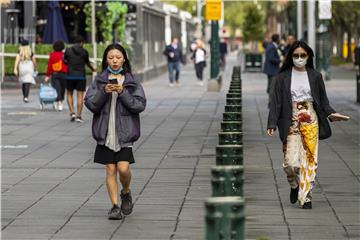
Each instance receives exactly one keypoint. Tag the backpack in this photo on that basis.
(56, 67)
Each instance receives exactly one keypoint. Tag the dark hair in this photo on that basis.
(126, 65)
(288, 63)
(58, 46)
(275, 37)
(79, 39)
(24, 42)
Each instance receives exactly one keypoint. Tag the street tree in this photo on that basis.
(253, 27)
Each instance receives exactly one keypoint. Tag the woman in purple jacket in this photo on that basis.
(116, 98)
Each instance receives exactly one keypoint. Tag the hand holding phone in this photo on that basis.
(113, 81)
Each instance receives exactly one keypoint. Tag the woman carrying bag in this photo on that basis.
(57, 70)
(300, 109)
(116, 98)
(24, 68)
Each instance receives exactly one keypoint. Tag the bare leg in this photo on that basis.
(80, 102)
(125, 175)
(70, 101)
(111, 183)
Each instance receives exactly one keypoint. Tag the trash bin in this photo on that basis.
(253, 62)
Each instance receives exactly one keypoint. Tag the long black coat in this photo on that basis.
(281, 104)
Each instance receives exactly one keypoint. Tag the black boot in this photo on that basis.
(294, 195)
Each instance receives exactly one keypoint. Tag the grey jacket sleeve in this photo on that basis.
(134, 101)
(275, 104)
(95, 98)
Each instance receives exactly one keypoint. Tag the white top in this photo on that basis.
(300, 86)
(199, 55)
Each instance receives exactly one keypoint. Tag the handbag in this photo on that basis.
(324, 127)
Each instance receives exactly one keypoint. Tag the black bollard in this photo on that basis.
(227, 181)
(230, 138)
(231, 126)
(225, 218)
(229, 155)
(232, 116)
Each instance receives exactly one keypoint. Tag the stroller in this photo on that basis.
(47, 95)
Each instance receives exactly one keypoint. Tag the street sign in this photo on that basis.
(325, 9)
(213, 10)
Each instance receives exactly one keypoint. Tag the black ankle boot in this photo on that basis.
(294, 192)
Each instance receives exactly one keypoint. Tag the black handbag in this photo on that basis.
(324, 127)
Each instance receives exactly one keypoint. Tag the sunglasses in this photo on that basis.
(301, 55)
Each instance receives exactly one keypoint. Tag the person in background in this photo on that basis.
(199, 58)
(272, 61)
(290, 39)
(173, 52)
(223, 49)
(57, 70)
(116, 99)
(356, 57)
(299, 108)
(76, 57)
(24, 68)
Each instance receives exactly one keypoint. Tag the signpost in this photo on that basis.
(213, 13)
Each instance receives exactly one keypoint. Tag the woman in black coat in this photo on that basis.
(300, 109)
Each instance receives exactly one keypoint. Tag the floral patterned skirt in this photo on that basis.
(301, 150)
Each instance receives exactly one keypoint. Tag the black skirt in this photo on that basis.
(104, 155)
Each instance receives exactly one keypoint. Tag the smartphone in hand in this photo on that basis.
(113, 81)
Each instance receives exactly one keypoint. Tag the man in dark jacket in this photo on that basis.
(76, 58)
(272, 61)
(173, 52)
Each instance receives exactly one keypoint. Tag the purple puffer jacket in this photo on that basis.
(130, 102)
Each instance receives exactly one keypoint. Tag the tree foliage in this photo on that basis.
(112, 15)
(345, 19)
(253, 26)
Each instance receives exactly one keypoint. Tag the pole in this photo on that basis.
(299, 8)
(93, 31)
(311, 26)
(215, 58)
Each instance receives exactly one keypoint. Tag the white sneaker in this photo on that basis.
(178, 84)
(56, 106)
(60, 106)
(171, 85)
(200, 83)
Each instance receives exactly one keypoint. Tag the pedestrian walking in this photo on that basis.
(173, 52)
(223, 49)
(57, 71)
(290, 39)
(76, 57)
(300, 109)
(272, 61)
(116, 98)
(24, 68)
(199, 58)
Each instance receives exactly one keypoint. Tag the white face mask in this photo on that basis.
(300, 62)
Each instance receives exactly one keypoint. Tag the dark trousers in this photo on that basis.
(199, 68)
(58, 81)
(26, 89)
(270, 86)
(171, 67)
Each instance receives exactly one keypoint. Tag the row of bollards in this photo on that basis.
(224, 216)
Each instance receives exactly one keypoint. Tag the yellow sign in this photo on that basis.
(213, 10)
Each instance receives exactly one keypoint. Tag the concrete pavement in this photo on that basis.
(51, 189)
